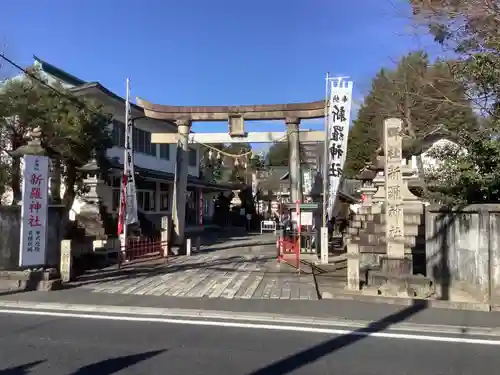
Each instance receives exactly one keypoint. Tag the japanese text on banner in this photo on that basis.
(339, 109)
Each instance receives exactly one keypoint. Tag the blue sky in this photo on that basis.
(199, 52)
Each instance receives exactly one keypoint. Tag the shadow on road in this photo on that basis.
(106, 367)
(303, 358)
(20, 370)
(113, 365)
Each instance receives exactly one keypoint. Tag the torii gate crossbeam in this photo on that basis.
(235, 115)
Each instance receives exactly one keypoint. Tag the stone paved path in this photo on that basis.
(243, 272)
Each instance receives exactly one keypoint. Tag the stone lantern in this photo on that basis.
(368, 189)
(378, 166)
(33, 147)
(93, 215)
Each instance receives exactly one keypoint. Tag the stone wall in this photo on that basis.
(463, 249)
(10, 233)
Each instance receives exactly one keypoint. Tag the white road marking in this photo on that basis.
(277, 327)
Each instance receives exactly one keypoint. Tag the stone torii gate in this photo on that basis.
(184, 116)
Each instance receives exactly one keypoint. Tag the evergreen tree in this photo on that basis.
(425, 96)
(73, 128)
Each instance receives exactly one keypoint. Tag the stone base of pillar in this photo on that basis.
(324, 245)
(92, 223)
(353, 277)
(65, 264)
(396, 266)
(188, 246)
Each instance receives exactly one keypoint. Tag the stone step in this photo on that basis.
(408, 208)
(401, 285)
(409, 229)
(413, 219)
(352, 231)
(375, 228)
(376, 239)
(379, 249)
(409, 218)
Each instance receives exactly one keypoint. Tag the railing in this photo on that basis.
(288, 251)
(141, 249)
(267, 226)
(291, 244)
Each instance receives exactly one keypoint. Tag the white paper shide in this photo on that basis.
(34, 211)
(339, 113)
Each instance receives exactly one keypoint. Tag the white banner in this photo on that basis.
(339, 115)
(307, 182)
(34, 211)
(128, 165)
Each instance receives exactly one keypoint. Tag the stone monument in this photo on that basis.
(395, 260)
(386, 239)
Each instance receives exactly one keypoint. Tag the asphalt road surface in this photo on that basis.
(47, 345)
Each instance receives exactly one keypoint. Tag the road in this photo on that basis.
(54, 345)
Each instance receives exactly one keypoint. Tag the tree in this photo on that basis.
(74, 129)
(365, 134)
(210, 166)
(219, 162)
(471, 29)
(278, 154)
(422, 94)
(467, 174)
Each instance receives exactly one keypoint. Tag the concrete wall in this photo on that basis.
(463, 248)
(10, 233)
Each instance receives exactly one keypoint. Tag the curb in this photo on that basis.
(151, 312)
(451, 305)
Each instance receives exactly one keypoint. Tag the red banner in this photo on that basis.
(123, 205)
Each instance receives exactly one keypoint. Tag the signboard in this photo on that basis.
(34, 211)
(339, 113)
(306, 218)
(307, 182)
(254, 184)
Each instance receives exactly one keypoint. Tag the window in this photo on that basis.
(164, 197)
(146, 195)
(150, 147)
(165, 151)
(114, 182)
(146, 200)
(141, 139)
(193, 157)
(118, 133)
(116, 200)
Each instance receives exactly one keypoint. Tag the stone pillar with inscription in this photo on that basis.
(293, 124)
(34, 206)
(395, 261)
(180, 182)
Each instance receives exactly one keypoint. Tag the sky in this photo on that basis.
(217, 52)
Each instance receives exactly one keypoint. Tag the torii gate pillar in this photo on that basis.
(295, 174)
(180, 185)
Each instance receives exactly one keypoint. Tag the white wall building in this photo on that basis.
(154, 163)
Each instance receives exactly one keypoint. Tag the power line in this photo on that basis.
(42, 82)
(83, 105)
